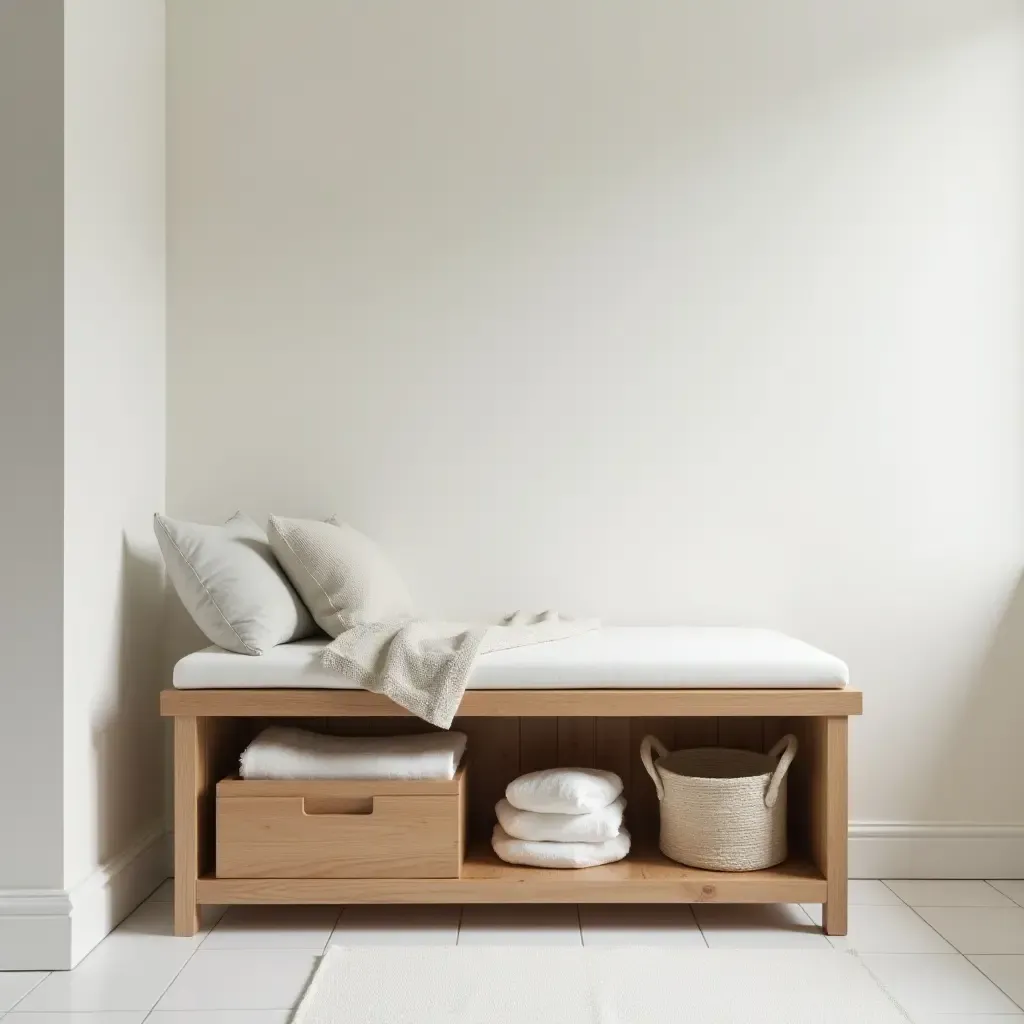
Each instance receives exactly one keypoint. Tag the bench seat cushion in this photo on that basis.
(613, 657)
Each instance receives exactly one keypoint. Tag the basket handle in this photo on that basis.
(645, 755)
(787, 746)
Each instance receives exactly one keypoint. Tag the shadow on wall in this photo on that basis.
(181, 635)
(127, 731)
(988, 723)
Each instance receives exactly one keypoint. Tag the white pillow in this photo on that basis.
(343, 577)
(558, 855)
(230, 583)
(594, 827)
(564, 790)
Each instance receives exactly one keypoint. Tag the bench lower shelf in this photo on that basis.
(516, 731)
(644, 877)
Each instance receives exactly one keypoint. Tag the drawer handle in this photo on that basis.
(338, 806)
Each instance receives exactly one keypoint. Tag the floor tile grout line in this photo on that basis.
(820, 928)
(988, 882)
(696, 921)
(334, 929)
(188, 960)
(216, 925)
(955, 954)
(156, 1003)
(197, 1011)
(803, 910)
(951, 950)
(894, 892)
(1001, 893)
(962, 906)
(149, 898)
(948, 943)
(322, 951)
(11, 1009)
(992, 980)
(82, 961)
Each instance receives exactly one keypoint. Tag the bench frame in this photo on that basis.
(212, 726)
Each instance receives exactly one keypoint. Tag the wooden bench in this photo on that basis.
(513, 731)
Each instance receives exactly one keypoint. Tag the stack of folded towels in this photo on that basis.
(562, 818)
(283, 752)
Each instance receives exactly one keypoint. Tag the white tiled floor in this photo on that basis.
(624, 925)
(951, 952)
(778, 925)
(516, 925)
(886, 930)
(398, 925)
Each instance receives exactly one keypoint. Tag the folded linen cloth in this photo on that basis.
(558, 855)
(564, 790)
(423, 665)
(595, 827)
(283, 752)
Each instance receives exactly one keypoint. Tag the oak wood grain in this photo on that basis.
(519, 703)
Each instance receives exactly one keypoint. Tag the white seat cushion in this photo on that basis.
(614, 657)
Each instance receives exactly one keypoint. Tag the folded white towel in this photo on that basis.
(595, 827)
(558, 855)
(283, 752)
(564, 790)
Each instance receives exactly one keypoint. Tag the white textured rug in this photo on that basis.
(637, 985)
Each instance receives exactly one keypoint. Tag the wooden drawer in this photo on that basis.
(341, 829)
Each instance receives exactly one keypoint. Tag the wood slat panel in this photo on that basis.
(741, 733)
(576, 742)
(773, 729)
(613, 749)
(642, 814)
(799, 783)
(538, 744)
(376, 726)
(695, 732)
(493, 752)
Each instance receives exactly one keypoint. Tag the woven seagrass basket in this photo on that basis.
(721, 809)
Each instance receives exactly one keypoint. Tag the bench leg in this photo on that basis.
(835, 822)
(189, 778)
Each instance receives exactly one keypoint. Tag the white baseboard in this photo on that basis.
(54, 929)
(922, 850)
(104, 899)
(35, 930)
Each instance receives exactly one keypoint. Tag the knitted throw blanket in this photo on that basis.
(424, 665)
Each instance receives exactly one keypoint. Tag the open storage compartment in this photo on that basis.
(511, 732)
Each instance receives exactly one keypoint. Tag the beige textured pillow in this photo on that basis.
(340, 573)
(230, 583)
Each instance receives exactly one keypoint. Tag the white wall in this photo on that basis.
(663, 312)
(114, 432)
(82, 455)
(31, 446)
